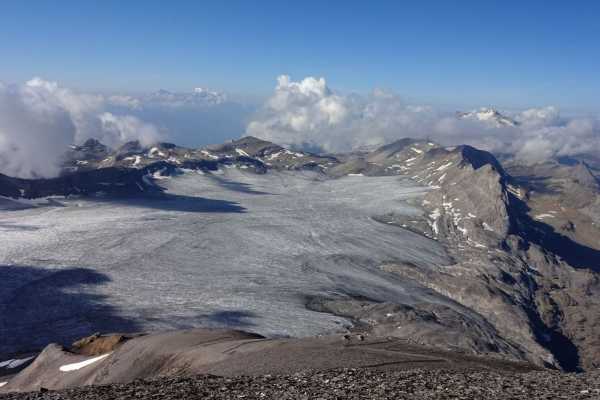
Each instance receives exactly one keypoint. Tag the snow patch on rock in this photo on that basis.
(82, 364)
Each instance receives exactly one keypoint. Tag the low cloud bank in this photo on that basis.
(40, 119)
(309, 114)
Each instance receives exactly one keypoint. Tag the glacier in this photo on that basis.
(232, 249)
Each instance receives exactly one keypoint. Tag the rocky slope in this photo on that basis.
(537, 287)
(565, 196)
(120, 359)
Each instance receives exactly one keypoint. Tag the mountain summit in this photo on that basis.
(489, 116)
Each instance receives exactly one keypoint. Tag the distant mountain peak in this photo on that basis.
(488, 115)
(199, 96)
(205, 91)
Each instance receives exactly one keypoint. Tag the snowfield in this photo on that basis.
(233, 249)
(82, 364)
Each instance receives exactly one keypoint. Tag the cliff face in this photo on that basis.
(538, 288)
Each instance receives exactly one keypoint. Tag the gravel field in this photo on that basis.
(347, 384)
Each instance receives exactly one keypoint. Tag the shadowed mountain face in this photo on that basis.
(440, 245)
(564, 197)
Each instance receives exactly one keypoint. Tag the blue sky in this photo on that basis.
(468, 53)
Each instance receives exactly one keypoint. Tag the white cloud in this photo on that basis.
(572, 137)
(34, 132)
(39, 119)
(537, 117)
(125, 128)
(308, 113)
(299, 112)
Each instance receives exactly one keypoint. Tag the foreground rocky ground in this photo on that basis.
(348, 384)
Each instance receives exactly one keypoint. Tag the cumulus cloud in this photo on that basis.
(126, 128)
(300, 112)
(33, 132)
(308, 113)
(311, 115)
(566, 138)
(538, 117)
(39, 119)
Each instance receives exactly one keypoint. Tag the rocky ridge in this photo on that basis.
(131, 170)
(245, 153)
(232, 353)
